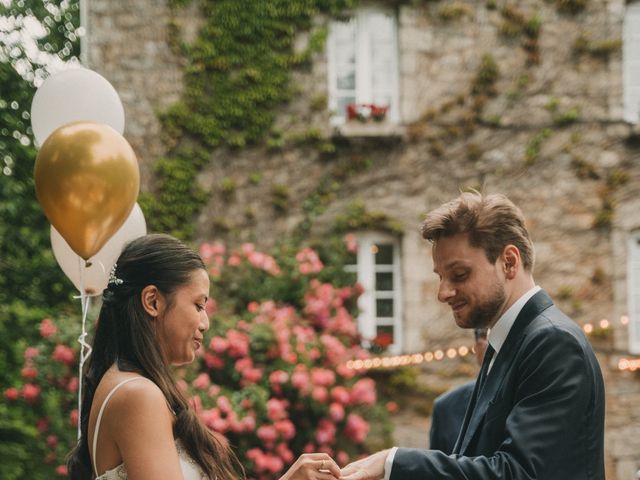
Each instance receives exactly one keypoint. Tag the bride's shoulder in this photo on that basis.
(132, 395)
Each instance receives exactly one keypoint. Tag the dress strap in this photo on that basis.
(102, 407)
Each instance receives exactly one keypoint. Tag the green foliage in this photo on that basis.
(599, 276)
(31, 283)
(532, 26)
(571, 6)
(474, 152)
(523, 80)
(319, 102)
(565, 292)
(553, 104)
(280, 197)
(513, 21)
(237, 74)
(491, 4)
(454, 11)
(603, 219)
(601, 49)
(60, 21)
(255, 178)
(27, 267)
(584, 169)
(486, 76)
(39, 412)
(616, 178)
(311, 136)
(228, 188)
(532, 151)
(356, 216)
(566, 117)
(406, 380)
(515, 24)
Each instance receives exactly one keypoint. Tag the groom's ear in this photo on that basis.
(511, 262)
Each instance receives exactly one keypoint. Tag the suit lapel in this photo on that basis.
(503, 359)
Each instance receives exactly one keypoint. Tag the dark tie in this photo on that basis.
(486, 362)
(482, 377)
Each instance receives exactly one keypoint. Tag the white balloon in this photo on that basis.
(74, 95)
(94, 278)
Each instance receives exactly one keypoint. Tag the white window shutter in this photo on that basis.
(382, 284)
(633, 284)
(363, 62)
(631, 62)
(383, 60)
(341, 50)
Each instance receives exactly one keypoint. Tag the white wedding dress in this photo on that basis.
(189, 467)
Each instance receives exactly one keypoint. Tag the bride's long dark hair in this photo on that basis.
(124, 336)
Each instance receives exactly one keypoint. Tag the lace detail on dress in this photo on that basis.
(184, 455)
(190, 468)
(118, 473)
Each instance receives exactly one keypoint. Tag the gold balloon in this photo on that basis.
(87, 181)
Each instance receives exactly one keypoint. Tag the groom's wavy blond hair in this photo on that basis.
(491, 221)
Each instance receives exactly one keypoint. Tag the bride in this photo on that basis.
(135, 422)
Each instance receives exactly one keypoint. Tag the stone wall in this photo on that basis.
(563, 172)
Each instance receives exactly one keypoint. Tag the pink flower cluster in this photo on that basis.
(299, 368)
(351, 243)
(326, 308)
(213, 254)
(308, 261)
(49, 385)
(47, 328)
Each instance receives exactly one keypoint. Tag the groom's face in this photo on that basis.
(472, 286)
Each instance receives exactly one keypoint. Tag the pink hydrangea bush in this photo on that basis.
(47, 392)
(271, 377)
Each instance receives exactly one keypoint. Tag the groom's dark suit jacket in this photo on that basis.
(539, 415)
(447, 417)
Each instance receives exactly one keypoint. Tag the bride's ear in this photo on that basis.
(151, 300)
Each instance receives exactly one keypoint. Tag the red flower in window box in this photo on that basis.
(366, 111)
(383, 340)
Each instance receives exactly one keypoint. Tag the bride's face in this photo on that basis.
(183, 320)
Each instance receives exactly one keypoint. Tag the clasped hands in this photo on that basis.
(319, 466)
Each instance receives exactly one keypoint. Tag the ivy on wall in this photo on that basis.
(236, 75)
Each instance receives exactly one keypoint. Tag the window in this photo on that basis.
(363, 64)
(377, 265)
(631, 62)
(633, 285)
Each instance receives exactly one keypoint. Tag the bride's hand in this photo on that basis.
(313, 466)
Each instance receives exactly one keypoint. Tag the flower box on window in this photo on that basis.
(365, 112)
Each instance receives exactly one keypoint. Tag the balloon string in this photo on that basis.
(85, 348)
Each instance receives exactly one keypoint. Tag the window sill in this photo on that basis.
(356, 129)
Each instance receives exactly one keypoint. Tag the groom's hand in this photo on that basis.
(369, 468)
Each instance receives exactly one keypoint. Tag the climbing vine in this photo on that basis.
(237, 72)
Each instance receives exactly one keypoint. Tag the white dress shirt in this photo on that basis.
(496, 338)
(497, 335)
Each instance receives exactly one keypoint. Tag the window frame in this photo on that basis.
(633, 290)
(631, 63)
(366, 270)
(363, 70)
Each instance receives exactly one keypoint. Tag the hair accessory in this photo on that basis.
(112, 276)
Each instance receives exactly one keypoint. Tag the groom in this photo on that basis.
(537, 410)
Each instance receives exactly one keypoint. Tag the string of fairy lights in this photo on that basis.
(394, 361)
